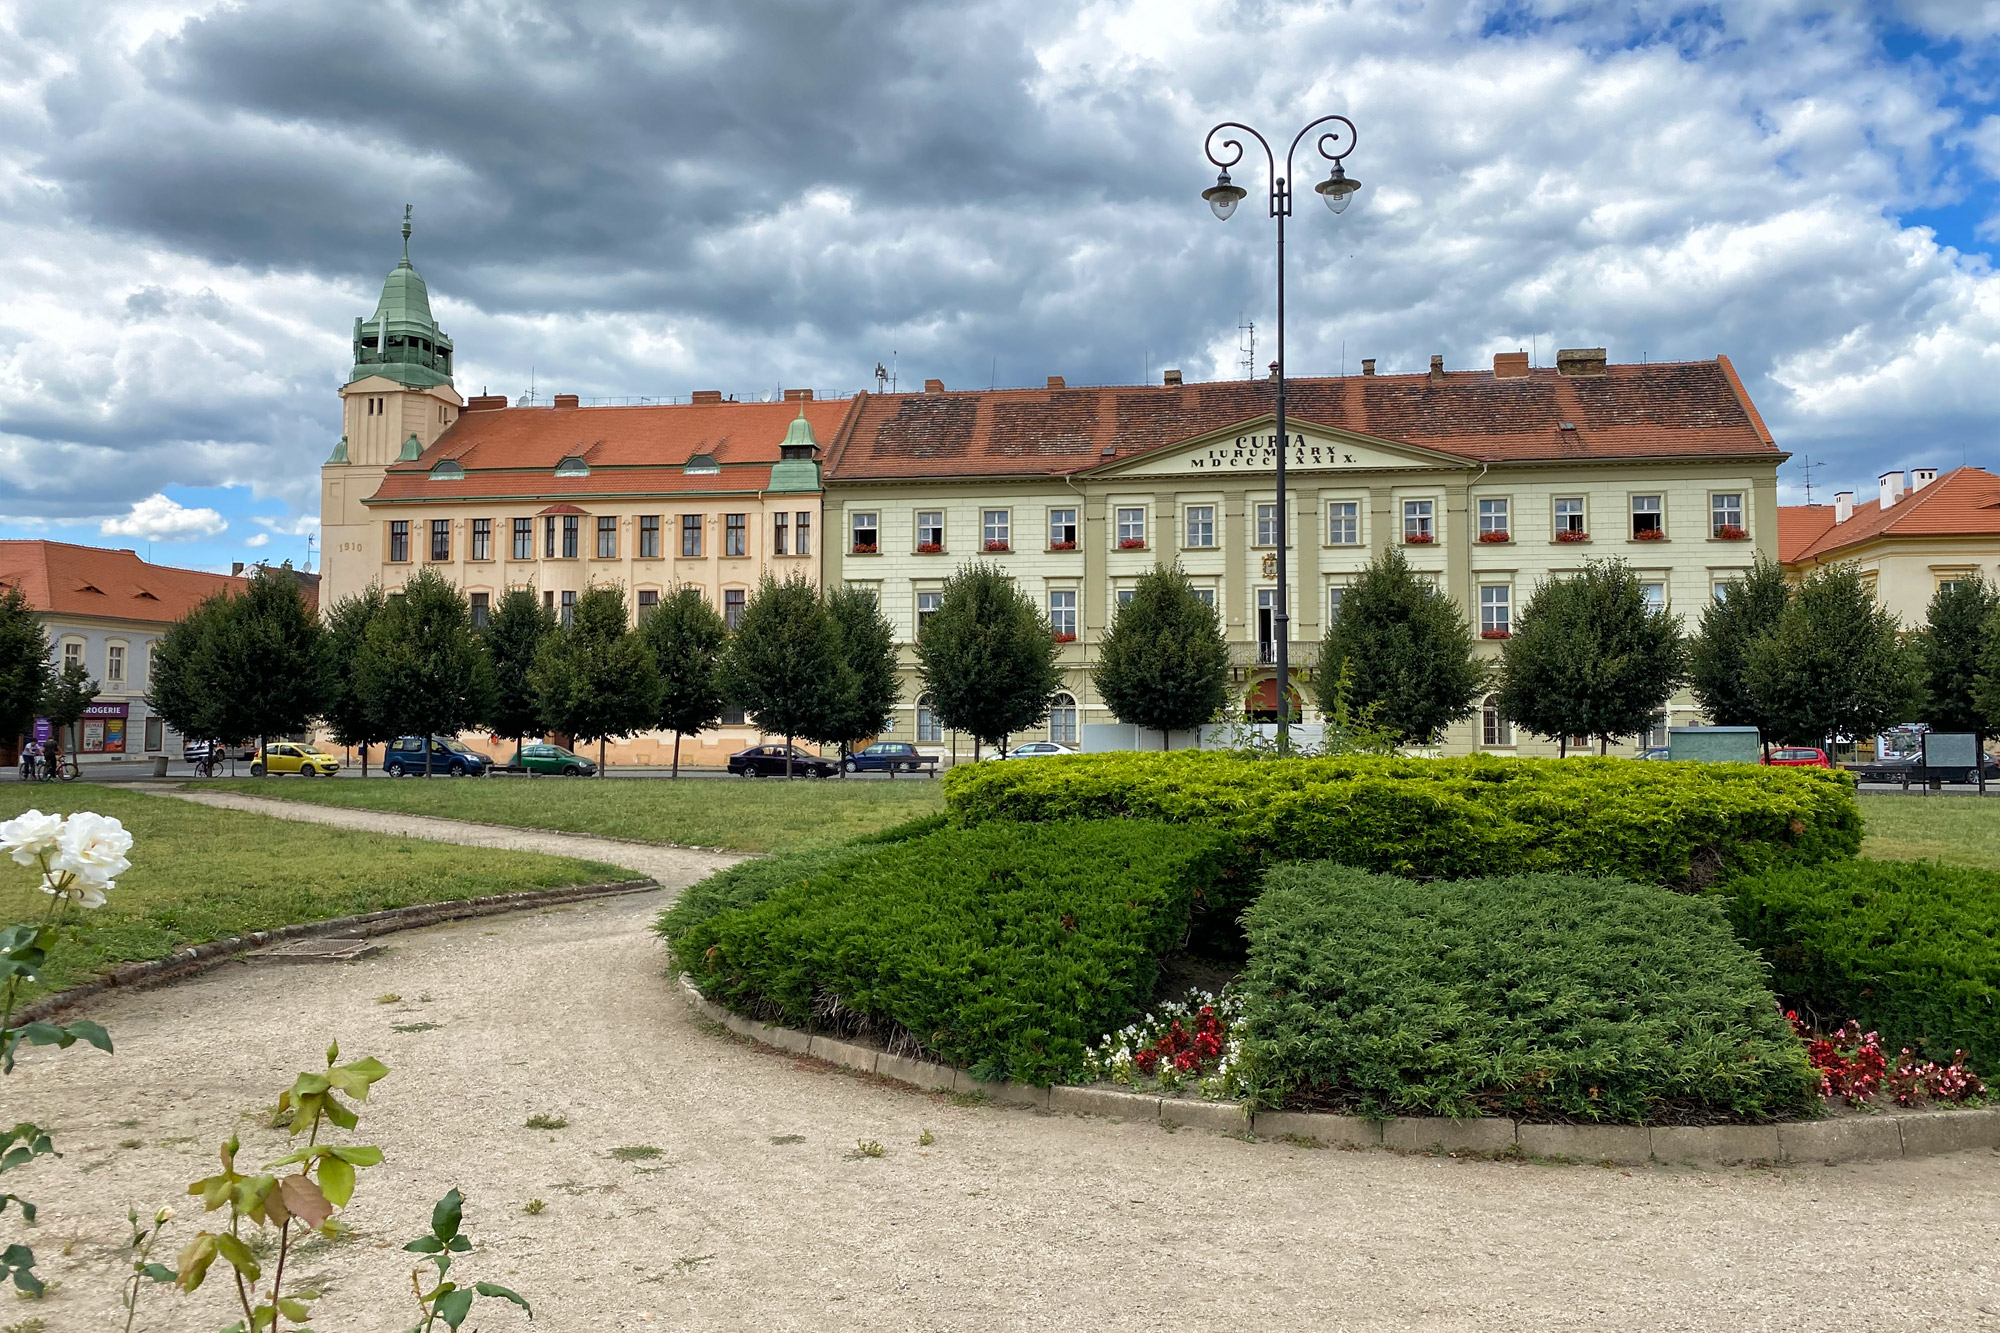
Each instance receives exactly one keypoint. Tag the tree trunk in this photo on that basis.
(264, 753)
(429, 742)
(677, 754)
(1562, 747)
(1166, 739)
(1603, 745)
(600, 756)
(364, 759)
(788, 754)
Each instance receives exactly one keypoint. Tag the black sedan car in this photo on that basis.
(768, 761)
(1907, 768)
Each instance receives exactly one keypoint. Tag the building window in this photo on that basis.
(482, 539)
(1655, 596)
(548, 600)
(549, 538)
(1343, 523)
(1417, 521)
(1267, 624)
(1062, 529)
(802, 528)
(440, 539)
(1725, 516)
(1206, 596)
(1496, 732)
(1122, 597)
(927, 606)
(482, 609)
(867, 533)
(1131, 529)
(72, 653)
(732, 608)
(1720, 588)
(568, 609)
(1648, 516)
(152, 661)
(928, 730)
(114, 666)
(1496, 611)
(997, 527)
(399, 541)
(570, 526)
(649, 536)
(780, 532)
(1267, 525)
(1062, 615)
(930, 531)
(735, 534)
(1493, 520)
(648, 599)
(1200, 526)
(1657, 736)
(524, 539)
(732, 716)
(1569, 517)
(691, 536)
(156, 733)
(1333, 599)
(607, 537)
(1062, 719)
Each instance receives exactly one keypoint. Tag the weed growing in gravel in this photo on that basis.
(390, 998)
(967, 1098)
(926, 1139)
(415, 1027)
(131, 1143)
(126, 1124)
(865, 1148)
(784, 1139)
(541, 1120)
(34, 1325)
(688, 1263)
(638, 1154)
(533, 1206)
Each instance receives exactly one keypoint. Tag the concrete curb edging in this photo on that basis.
(201, 957)
(1889, 1136)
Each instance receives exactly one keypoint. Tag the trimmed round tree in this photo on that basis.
(182, 683)
(686, 637)
(421, 670)
(784, 664)
(513, 635)
(347, 711)
(1748, 609)
(24, 664)
(1404, 650)
(595, 677)
(1835, 665)
(865, 704)
(1954, 640)
(987, 657)
(1163, 664)
(269, 659)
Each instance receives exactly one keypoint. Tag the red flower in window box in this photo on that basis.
(1417, 539)
(1496, 634)
(929, 548)
(1498, 535)
(996, 546)
(1065, 638)
(1729, 532)
(864, 548)
(1569, 536)
(1131, 543)
(1650, 535)
(1062, 546)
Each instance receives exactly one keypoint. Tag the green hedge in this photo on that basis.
(1907, 948)
(1537, 995)
(1683, 825)
(1005, 949)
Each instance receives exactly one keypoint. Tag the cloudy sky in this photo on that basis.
(645, 199)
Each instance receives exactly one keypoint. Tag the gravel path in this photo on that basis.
(753, 1215)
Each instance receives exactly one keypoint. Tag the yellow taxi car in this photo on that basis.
(287, 757)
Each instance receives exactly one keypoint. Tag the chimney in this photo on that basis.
(1368, 365)
(933, 386)
(486, 402)
(1892, 488)
(798, 395)
(701, 396)
(1921, 477)
(1274, 370)
(235, 568)
(566, 400)
(1580, 361)
(1843, 506)
(1437, 369)
(1056, 382)
(1172, 379)
(1510, 365)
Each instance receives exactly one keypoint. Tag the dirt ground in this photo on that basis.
(755, 1212)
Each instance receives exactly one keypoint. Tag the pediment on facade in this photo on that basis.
(1251, 447)
(383, 384)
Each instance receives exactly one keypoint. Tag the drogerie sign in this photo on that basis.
(1256, 452)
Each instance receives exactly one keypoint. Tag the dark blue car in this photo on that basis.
(449, 758)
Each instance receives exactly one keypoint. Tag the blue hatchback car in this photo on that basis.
(449, 758)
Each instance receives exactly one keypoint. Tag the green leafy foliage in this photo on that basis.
(421, 670)
(68, 692)
(1909, 949)
(686, 636)
(1953, 640)
(1004, 948)
(870, 687)
(1538, 995)
(987, 656)
(783, 663)
(1681, 825)
(1163, 664)
(24, 663)
(448, 1302)
(1747, 609)
(186, 684)
(1405, 649)
(512, 636)
(596, 678)
(1834, 665)
(350, 711)
(1588, 658)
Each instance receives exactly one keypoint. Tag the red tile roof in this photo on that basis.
(513, 451)
(1964, 502)
(1684, 409)
(67, 580)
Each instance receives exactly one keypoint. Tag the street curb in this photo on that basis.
(201, 957)
(1891, 1136)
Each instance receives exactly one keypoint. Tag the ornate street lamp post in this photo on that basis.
(1223, 197)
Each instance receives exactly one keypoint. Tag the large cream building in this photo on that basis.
(1490, 480)
(1908, 540)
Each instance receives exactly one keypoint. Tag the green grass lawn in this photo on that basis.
(1958, 830)
(736, 813)
(200, 874)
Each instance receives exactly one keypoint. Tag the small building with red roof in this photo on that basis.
(1915, 534)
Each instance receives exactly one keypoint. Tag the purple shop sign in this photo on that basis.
(107, 710)
(43, 731)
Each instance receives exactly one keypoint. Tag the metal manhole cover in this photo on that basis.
(316, 951)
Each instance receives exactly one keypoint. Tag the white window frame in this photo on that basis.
(935, 599)
(1266, 530)
(1130, 521)
(1420, 519)
(1496, 608)
(1062, 519)
(929, 731)
(1200, 527)
(1496, 732)
(1572, 507)
(996, 529)
(869, 521)
(1717, 509)
(1658, 509)
(930, 528)
(1343, 516)
(1647, 587)
(1062, 612)
(1063, 713)
(116, 651)
(1495, 515)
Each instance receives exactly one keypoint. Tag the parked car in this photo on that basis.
(449, 758)
(1798, 756)
(1655, 752)
(542, 757)
(288, 757)
(1910, 768)
(766, 761)
(888, 757)
(1037, 750)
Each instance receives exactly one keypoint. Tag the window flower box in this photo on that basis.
(1065, 638)
(930, 548)
(1570, 537)
(997, 546)
(1729, 532)
(864, 548)
(1062, 546)
(1132, 543)
(1418, 539)
(1496, 634)
(1650, 535)
(1495, 537)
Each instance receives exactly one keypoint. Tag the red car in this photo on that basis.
(1797, 756)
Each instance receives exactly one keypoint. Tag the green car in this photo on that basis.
(541, 757)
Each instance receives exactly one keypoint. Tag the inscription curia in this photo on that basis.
(1261, 451)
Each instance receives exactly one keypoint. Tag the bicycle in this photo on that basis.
(207, 768)
(63, 770)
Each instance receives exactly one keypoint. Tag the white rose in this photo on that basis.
(92, 848)
(29, 835)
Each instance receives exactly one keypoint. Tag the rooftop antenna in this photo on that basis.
(1246, 343)
(993, 374)
(310, 543)
(1807, 466)
(881, 378)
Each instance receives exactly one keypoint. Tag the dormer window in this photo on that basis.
(702, 465)
(573, 466)
(447, 469)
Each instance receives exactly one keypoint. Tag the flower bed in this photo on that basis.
(1194, 1042)
(863, 548)
(1853, 1069)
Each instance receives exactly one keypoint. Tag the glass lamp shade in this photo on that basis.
(1337, 189)
(1223, 197)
